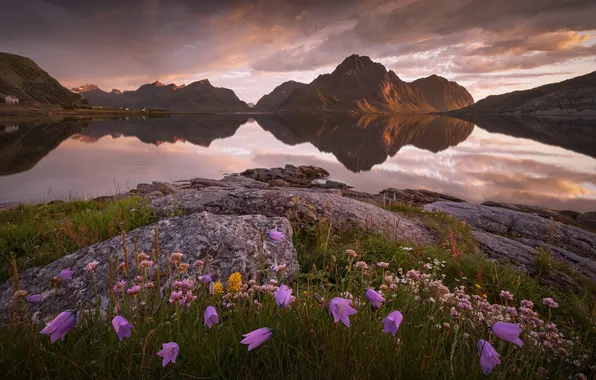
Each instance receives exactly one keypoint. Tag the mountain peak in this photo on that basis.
(157, 84)
(84, 88)
(357, 63)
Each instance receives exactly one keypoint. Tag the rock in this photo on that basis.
(507, 234)
(570, 213)
(301, 206)
(163, 187)
(199, 183)
(155, 194)
(301, 176)
(587, 219)
(335, 185)
(278, 183)
(232, 243)
(416, 197)
(536, 210)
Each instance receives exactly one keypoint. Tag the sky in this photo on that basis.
(251, 46)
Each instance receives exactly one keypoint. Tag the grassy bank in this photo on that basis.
(37, 235)
(448, 294)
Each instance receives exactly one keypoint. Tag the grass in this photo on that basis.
(37, 235)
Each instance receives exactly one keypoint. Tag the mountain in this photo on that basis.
(361, 142)
(84, 88)
(250, 105)
(200, 97)
(21, 77)
(442, 94)
(280, 94)
(573, 96)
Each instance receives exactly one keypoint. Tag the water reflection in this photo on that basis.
(92, 158)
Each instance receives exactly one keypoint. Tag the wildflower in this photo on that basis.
(478, 286)
(581, 376)
(507, 296)
(33, 298)
(489, 358)
(149, 285)
(138, 279)
(341, 310)
(134, 290)
(210, 317)
(392, 321)
(19, 294)
(255, 338)
(351, 253)
(551, 303)
(122, 266)
(234, 282)
(218, 288)
(65, 274)
(508, 331)
(413, 274)
(383, 265)
(527, 304)
(393, 286)
(122, 327)
(276, 235)
(280, 268)
(91, 266)
(206, 278)
(146, 264)
(183, 267)
(143, 256)
(169, 352)
(374, 298)
(199, 263)
(409, 249)
(59, 326)
(56, 280)
(361, 265)
(119, 287)
(176, 257)
(283, 296)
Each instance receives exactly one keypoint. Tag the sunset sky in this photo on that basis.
(251, 46)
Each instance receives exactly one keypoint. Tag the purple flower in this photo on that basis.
(489, 358)
(276, 235)
(551, 303)
(211, 317)
(60, 326)
(283, 296)
(374, 298)
(65, 274)
(122, 327)
(255, 338)
(206, 278)
(508, 331)
(392, 321)
(341, 310)
(169, 352)
(134, 290)
(33, 298)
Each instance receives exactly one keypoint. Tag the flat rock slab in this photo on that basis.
(512, 235)
(233, 243)
(304, 206)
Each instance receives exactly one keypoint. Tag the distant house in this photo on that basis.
(11, 128)
(11, 99)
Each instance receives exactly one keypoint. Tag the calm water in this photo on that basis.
(504, 159)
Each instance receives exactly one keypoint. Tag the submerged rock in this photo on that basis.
(233, 243)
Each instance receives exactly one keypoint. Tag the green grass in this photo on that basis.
(37, 235)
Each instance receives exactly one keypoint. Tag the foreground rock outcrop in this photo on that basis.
(233, 243)
(516, 236)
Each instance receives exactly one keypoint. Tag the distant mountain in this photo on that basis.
(199, 97)
(574, 96)
(21, 77)
(250, 105)
(84, 88)
(361, 142)
(280, 94)
(442, 94)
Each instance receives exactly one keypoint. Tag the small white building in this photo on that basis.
(11, 99)
(11, 128)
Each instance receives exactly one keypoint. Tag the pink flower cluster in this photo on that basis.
(183, 293)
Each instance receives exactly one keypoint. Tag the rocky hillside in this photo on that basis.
(271, 101)
(84, 88)
(21, 77)
(573, 96)
(442, 94)
(198, 96)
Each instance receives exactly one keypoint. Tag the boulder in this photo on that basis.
(587, 219)
(199, 183)
(301, 176)
(300, 206)
(542, 212)
(233, 243)
(507, 234)
(278, 183)
(416, 197)
(163, 187)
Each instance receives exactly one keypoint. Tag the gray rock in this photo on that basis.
(163, 187)
(507, 234)
(232, 243)
(335, 185)
(303, 206)
(542, 212)
(199, 183)
(587, 219)
(301, 176)
(278, 183)
(155, 194)
(416, 197)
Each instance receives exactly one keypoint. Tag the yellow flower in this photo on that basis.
(235, 282)
(478, 286)
(218, 288)
(484, 296)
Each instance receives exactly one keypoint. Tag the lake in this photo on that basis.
(540, 161)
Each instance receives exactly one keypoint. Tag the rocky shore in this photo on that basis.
(228, 220)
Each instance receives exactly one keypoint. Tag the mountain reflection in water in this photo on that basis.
(445, 154)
